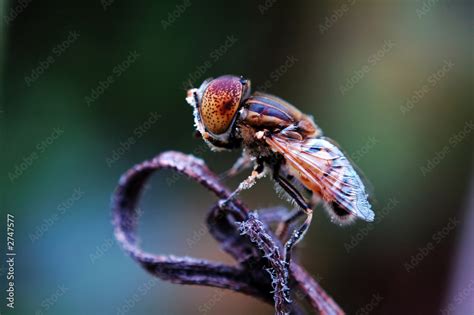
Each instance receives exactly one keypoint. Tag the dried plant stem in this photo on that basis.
(260, 272)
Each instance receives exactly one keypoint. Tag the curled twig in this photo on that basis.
(250, 243)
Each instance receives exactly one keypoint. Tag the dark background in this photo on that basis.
(405, 120)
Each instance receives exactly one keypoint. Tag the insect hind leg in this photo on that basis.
(283, 226)
(298, 233)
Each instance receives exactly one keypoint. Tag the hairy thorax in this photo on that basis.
(252, 144)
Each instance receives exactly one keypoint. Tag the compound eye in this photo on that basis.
(220, 103)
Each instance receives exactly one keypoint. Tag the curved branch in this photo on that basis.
(240, 233)
(174, 269)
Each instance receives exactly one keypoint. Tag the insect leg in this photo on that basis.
(283, 226)
(274, 214)
(298, 233)
(242, 163)
(257, 173)
(294, 194)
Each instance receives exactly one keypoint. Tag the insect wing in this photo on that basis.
(324, 169)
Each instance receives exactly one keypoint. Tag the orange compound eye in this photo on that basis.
(220, 103)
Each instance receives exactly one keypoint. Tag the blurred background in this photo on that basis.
(90, 88)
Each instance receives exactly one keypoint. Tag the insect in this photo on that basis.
(281, 141)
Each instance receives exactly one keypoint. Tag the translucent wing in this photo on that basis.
(322, 168)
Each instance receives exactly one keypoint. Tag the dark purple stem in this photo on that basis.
(260, 272)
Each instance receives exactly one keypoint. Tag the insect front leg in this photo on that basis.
(298, 233)
(257, 173)
(242, 163)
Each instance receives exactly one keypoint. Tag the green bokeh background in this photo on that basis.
(390, 144)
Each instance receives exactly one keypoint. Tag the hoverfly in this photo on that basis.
(279, 140)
